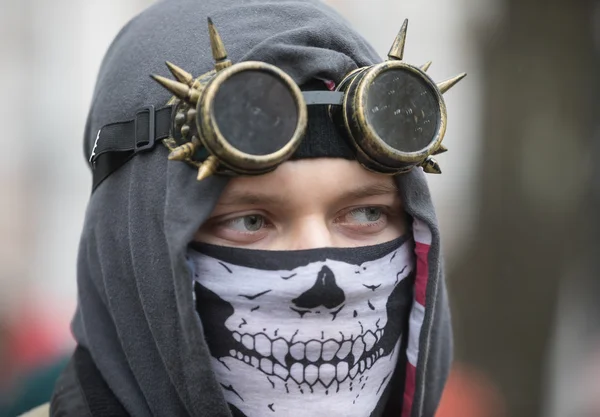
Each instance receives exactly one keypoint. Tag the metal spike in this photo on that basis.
(440, 149)
(426, 66)
(218, 47)
(185, 129)
(448, 84)
(431, 166)
(397, 49)
(183, 152)
(177, 88)
(180, 90)
(181, 75)
(179, 118)
(208, 168)
(191, 115)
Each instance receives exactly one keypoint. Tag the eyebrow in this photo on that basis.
(251, 198)
(370, 190)
(243, 198)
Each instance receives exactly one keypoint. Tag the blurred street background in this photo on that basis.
(518, 200)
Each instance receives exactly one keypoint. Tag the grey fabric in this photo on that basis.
(135, 312)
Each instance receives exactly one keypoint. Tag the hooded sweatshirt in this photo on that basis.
(141, 348)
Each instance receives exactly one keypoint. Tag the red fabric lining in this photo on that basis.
(330, 85)
(422, 253)
(409, 390)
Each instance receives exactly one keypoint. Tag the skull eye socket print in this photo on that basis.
(328, 331)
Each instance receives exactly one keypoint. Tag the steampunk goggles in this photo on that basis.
(249, 117)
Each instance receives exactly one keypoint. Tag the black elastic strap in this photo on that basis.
(117, 142)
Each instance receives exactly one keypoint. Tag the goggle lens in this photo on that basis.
(403, 110)
(256, 112)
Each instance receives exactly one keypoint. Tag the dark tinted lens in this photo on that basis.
(256, 112)
(403, 110)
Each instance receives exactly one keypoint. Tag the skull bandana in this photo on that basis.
(314, 332)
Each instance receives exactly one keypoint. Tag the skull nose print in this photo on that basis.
(324, 292)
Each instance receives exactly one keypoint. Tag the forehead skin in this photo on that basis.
(308, 183)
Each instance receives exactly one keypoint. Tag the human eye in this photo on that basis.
(370, 219)
(246, 224)
(366, 214)
(239, 230)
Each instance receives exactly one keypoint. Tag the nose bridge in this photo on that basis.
(310, 232)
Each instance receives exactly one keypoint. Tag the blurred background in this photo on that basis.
(517, 202)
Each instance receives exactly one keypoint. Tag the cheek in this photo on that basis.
(203, 236)
(344, 241)
(397, 226)
(316, 232)
(393, 229)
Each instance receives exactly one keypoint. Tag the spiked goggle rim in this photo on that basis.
(217, 144)
(370, 147)
(382, 157)
(365, 137)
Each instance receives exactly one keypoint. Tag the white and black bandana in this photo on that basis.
(315, 332)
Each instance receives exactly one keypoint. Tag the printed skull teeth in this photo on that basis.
(358, 347)
(310, 374)
(310, 362)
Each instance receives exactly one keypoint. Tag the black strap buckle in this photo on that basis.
(149, 143)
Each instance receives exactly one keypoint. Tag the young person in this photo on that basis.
(285, 258)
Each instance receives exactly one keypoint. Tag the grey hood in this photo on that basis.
(135, 314)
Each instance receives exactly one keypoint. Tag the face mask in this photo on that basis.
(312, 332)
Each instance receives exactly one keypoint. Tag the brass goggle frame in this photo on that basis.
(197, 138)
